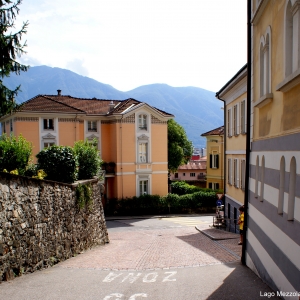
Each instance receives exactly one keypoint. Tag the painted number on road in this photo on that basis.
(116, 296)
(132, 277)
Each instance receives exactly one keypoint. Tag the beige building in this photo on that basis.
(215, 158)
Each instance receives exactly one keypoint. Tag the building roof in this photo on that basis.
(68, 104)
(193, 165)
(217, 131)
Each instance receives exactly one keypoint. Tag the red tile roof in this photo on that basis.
(68, 104)
(217, 131)
(197, 165)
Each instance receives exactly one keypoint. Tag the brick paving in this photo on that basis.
(157, 249)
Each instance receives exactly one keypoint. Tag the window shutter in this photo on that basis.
(238, 173)
(237, 119)
(210, 160)
(210, 185)
(217, 161)
(217, 186)
(230, 121)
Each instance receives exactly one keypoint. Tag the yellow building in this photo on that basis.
(273, 201)
(234, 96)
(215, 158)
(130, 134)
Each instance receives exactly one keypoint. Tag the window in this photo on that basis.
(11, 125)
(47, 144)
(214, 161)
(235, 120)
(183, 174)
(176, 175)
(265, 66)
(213, 185)
(192, 174)
(49, 124)
(229, 123)
(243, 173)
(143, 152)
(3, 128)
(143, 122)
(243, 116)
(236, 172)
(229, 170)
(143, 187)
(92, 126)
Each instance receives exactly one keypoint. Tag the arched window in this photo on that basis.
(265, 63)
(292, 189)
(256, 176)
(262, 179)
(281, 186)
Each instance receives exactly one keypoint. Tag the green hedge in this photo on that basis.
(154, 204)
(183, 188)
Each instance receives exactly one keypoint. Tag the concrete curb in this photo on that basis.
(216, 238)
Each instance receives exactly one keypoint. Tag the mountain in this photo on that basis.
(196, 109)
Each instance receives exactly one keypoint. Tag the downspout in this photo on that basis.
(248, 136)
(224, 147)
(121, 140)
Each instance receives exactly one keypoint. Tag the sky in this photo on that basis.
(129, 43)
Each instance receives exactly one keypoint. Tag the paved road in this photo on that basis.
(161, 258)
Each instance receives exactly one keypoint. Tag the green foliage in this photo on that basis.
(182, 188)
(180, 149)
(31, 170)
(89, 161)
(14, 153)
(59, 163)
(10, 48)
(84, 195)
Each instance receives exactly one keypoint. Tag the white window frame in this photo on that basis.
(48, 124)
(92, 126)
(143, 187)
(236, 172)
(141, 180)
(143, 155)
(143, 122)
(47, 144)
(214, 157)
(192, 174)
(265, 63)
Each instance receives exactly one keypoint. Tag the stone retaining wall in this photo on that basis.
(41, 223)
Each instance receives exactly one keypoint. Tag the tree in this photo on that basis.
(180, 149)
(10, 48)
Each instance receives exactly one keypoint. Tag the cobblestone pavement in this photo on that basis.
(157, 249)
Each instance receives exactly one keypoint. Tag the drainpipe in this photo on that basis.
(121, 147)
(248, 138)
(224, 145)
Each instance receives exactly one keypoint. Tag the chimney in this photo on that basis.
(111, 106)
(58, 92)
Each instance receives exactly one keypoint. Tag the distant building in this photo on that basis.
(215, 158)
(131, 136)
(194, 172)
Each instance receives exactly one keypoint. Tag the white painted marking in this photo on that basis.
(153, 275)
(133, 297)
(111, 276)
(131, 277)
(115, 295)
(168, 277)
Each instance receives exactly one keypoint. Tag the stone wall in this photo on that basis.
(41, 223)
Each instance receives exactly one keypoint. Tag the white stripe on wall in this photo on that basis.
(236, 152)
(283, 242)
(271, 196)
(272, 159)
(271, 268)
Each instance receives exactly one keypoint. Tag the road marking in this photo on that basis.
(186, 221)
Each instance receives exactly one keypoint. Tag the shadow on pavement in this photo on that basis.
(242, 284)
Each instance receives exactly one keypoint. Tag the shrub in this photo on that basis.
(14, 153)
(182, 188)
(31, 170)
(89, 161)
(59, 163)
